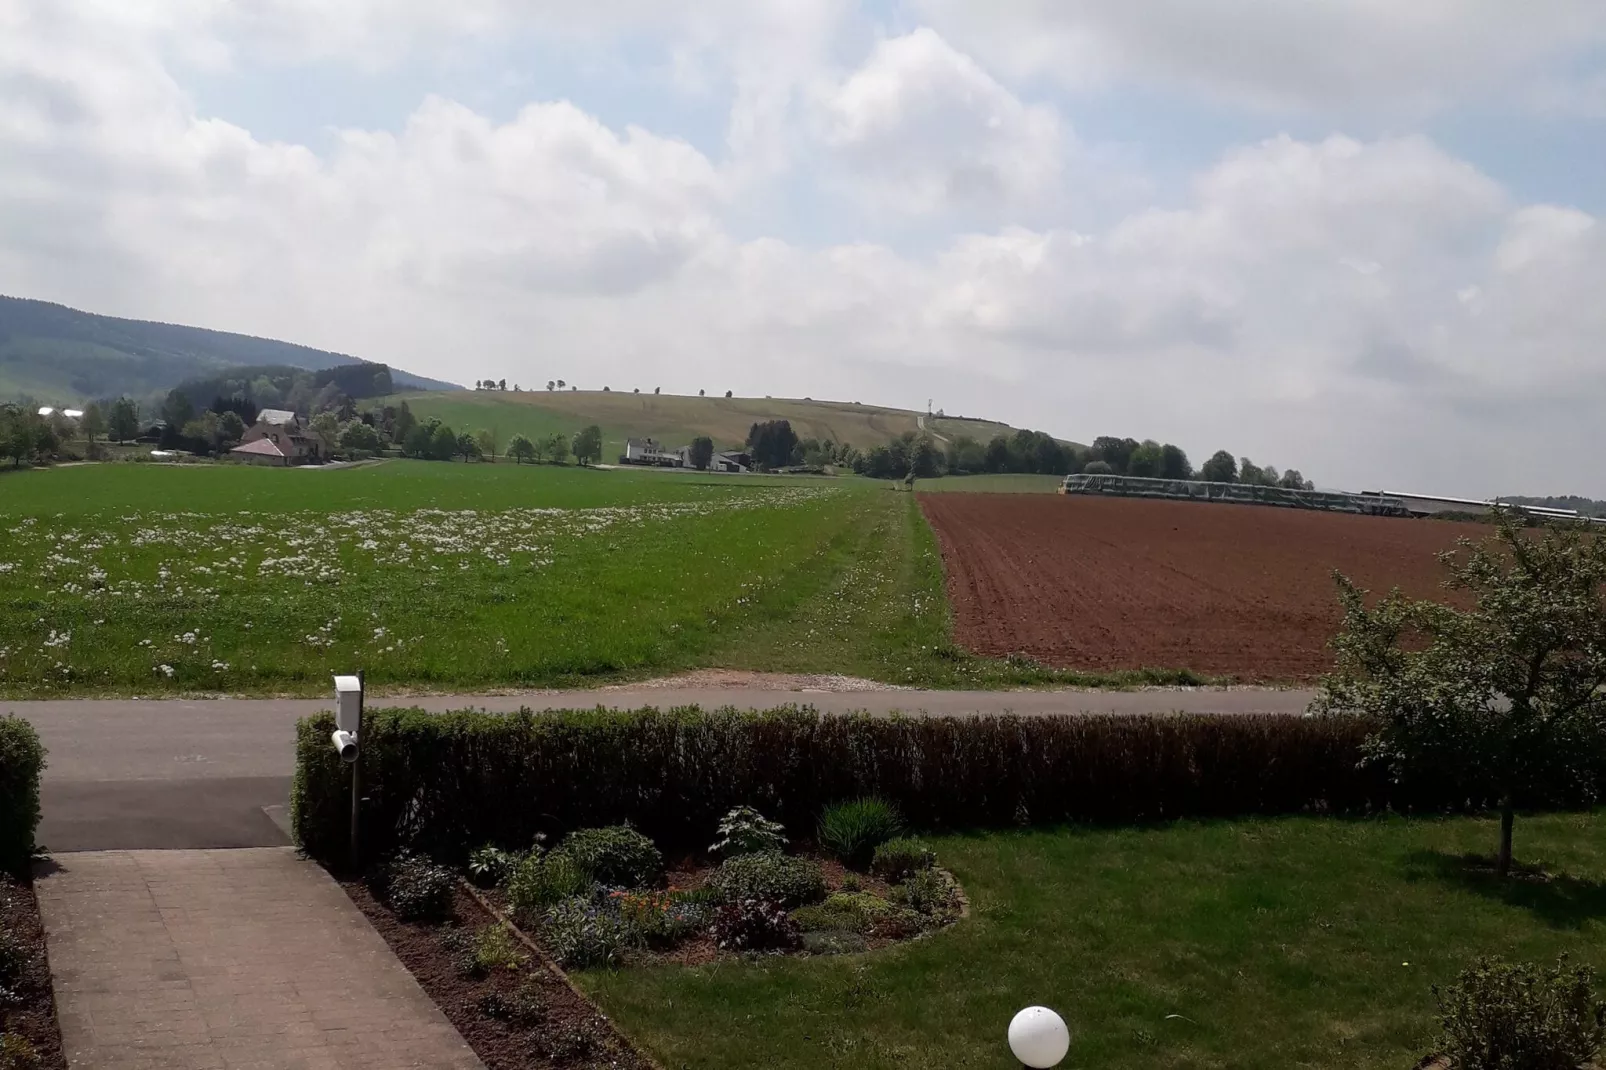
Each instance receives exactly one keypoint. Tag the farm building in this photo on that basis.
(1241, 493)
(651, 452)
(278, 437)
(1434, 504)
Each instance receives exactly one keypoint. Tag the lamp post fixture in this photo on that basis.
(1039, 1038)
(347, 740)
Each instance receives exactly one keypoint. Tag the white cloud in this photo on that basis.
(1371, 312)
(921, 128)
(1271, 53)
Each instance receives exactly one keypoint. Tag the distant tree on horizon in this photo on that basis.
(587, 445)
(487, 439)
(124, 422)
(1174, 463)
(1220, 468)
(92, 423)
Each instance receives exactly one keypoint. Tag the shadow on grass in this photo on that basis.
(1559, 900)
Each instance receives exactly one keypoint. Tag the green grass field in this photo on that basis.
(148, 579)
(675, 420)
(1260, 945)
(396, 484)
(1001, 483)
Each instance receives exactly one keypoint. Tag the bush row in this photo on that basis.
(444, 783)
(22, 761)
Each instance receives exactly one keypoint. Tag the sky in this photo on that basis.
(1361, 238)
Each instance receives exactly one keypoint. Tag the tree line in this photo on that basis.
(920, 455)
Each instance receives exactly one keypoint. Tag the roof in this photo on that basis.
(276, 416)
(260, 448)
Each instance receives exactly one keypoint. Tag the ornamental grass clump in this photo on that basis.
(851, 831)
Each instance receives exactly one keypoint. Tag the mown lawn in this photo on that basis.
(1267, 944)
(143, 579)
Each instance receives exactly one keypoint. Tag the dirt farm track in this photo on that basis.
(1119, 583)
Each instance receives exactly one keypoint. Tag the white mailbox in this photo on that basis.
(348, 705)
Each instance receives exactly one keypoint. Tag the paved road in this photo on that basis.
(169, 773)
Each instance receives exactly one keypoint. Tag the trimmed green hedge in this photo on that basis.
(22, 761)
(446, 783)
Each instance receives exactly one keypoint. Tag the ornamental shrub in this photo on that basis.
(896, 859)
(927, 891)
(770, 877)
(662, 919)
(581, 935)
(851, 831)
(618, 856)
(1520, 1016)
(418, 889)
(525, 1006)
(490, 865)
(755, 925)
(540, 881)
(22, 760)
(745, 831)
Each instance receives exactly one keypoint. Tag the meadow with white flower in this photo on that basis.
(248, 581)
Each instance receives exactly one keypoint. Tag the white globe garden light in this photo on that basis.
(1039, 1038)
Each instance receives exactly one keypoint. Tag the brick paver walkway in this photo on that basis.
(217, 960)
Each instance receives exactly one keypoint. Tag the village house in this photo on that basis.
(278, 437)
(650, 451)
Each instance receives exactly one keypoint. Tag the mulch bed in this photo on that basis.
(568, 1033)
(33, 1014)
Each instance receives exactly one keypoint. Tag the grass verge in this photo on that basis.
(1268, 944)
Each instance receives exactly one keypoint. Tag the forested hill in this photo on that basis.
(60, 355)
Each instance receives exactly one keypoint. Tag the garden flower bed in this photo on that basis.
(511, 1008)
(29, 1035)
(603, 898)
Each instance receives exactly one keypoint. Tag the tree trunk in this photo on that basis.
(1508, 816)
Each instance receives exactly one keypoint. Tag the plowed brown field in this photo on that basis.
(1119, 583)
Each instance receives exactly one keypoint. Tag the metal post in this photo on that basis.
(356, 782)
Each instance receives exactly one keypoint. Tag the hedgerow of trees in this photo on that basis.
(1038, 452)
